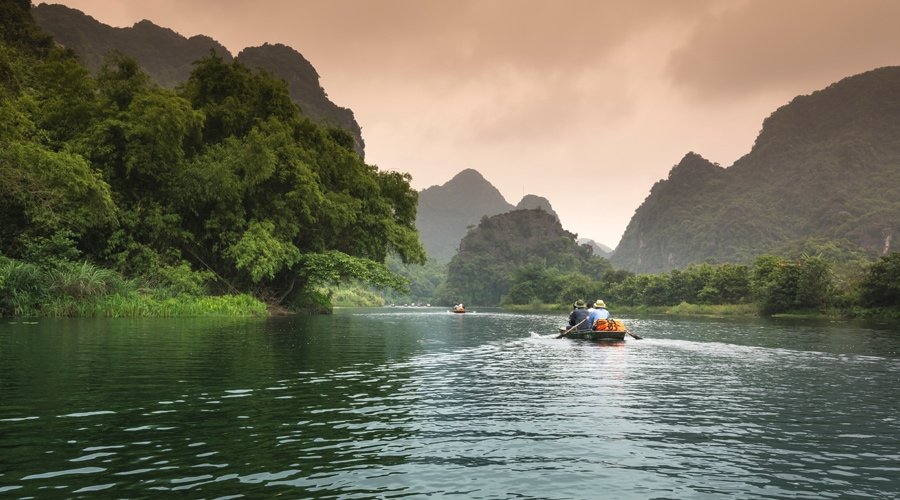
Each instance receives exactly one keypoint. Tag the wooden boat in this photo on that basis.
(594, 335)
(460, 311)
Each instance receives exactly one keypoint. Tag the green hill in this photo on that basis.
(826, 166)
(515, 250)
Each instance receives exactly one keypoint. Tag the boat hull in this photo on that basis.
(592, 335)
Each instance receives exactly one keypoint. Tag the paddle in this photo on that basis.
(638, 337)
(563, 334)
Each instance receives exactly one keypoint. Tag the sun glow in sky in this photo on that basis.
(585, 102)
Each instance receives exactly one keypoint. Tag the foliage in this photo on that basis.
(222, 186)
(83, 289)
(782, 285)
(516, 257)
(355, 295)
(881, 285)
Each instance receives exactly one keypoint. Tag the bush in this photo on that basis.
(22, 288)
(881, 285)
(83, 280)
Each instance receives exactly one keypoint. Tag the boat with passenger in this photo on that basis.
(603, 329)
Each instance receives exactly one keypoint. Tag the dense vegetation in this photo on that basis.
(824, 166)
(222, 186)
(168, 58)
(518, 256)
(524, 258)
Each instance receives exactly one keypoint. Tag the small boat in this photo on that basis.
(593, 335)
(460, 311)
(606, 329)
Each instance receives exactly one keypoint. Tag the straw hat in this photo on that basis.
(600, 303)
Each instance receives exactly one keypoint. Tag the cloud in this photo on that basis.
(759, 46)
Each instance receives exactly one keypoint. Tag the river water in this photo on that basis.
(414, 402)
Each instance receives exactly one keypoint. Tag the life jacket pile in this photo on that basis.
(609, 325)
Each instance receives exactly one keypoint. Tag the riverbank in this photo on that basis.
(721, 311)
(81, 289)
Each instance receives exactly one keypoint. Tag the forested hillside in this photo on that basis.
(168, 58)
(825, 166)
(221, 187)
(518, 257)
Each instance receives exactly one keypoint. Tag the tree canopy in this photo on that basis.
(223, 176)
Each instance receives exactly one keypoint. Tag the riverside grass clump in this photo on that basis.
(81, 289)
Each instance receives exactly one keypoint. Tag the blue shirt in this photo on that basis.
(598, 313)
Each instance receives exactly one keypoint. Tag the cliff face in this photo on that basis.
(825, 166)
(168, 58)
(164, 54)
(303, 85)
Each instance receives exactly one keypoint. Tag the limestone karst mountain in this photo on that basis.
(825, 166)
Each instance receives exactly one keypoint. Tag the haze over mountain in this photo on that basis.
(447, 212)
(168, 58)
(825, 166)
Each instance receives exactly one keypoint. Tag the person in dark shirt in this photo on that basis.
(579, 316)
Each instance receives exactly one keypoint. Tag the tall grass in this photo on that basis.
(83, 280)
(22, 288)
(81, 289)
(134, 305)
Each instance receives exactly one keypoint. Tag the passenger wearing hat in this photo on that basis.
(579, 316)
(597, 312)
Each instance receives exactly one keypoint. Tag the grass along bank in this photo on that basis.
(81, 289)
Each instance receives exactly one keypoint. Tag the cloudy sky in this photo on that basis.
(584, 102)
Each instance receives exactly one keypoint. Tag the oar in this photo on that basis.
(563, 334)
(638, 337)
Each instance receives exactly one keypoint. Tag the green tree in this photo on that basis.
(881, 285)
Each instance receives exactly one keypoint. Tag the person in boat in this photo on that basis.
(459, 307)
(597, 312)
(579, 316)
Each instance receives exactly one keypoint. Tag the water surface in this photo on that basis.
(414, 402)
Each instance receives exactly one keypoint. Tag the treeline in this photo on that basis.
(773, 284)
(525, 258)
(220, 187)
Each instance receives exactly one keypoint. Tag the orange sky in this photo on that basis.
(584, 102)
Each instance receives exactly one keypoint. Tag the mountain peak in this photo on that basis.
(532, 201)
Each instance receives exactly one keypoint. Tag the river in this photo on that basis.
(397, 402)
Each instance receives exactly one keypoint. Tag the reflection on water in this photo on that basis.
(399, 402)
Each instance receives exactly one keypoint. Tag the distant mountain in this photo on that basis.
(168, 58)
(531, 201)
(484, 270)
(826, 166)
(446, 212)
(599, 248)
